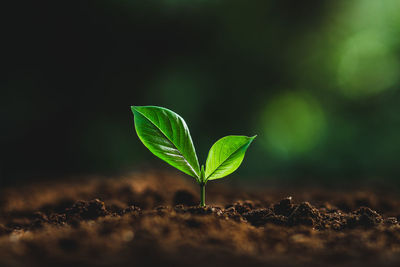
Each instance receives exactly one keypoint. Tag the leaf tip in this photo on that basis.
(134, 109)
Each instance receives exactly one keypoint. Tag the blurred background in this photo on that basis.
(318, 81)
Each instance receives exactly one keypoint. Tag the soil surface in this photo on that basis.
(152, 219)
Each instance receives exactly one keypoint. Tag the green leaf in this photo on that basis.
(226, 155)
(167, 136)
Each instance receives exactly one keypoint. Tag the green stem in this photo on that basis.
(202, 184)
(202, 195)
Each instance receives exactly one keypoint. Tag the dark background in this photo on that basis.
(318, 81)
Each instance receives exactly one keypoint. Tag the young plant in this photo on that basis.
(167, 136)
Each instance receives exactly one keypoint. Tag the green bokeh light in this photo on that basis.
(371, 14)
(293, 124)
(367, 65)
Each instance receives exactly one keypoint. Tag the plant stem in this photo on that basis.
(202, 195)
(202, 184)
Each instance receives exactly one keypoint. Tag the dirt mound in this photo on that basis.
(152, 219)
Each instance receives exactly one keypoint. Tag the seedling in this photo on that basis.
(167, 136)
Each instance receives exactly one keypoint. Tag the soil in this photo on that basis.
(152, 219)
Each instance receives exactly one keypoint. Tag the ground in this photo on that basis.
(152, 219)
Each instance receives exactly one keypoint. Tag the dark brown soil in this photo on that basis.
(152, 220)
